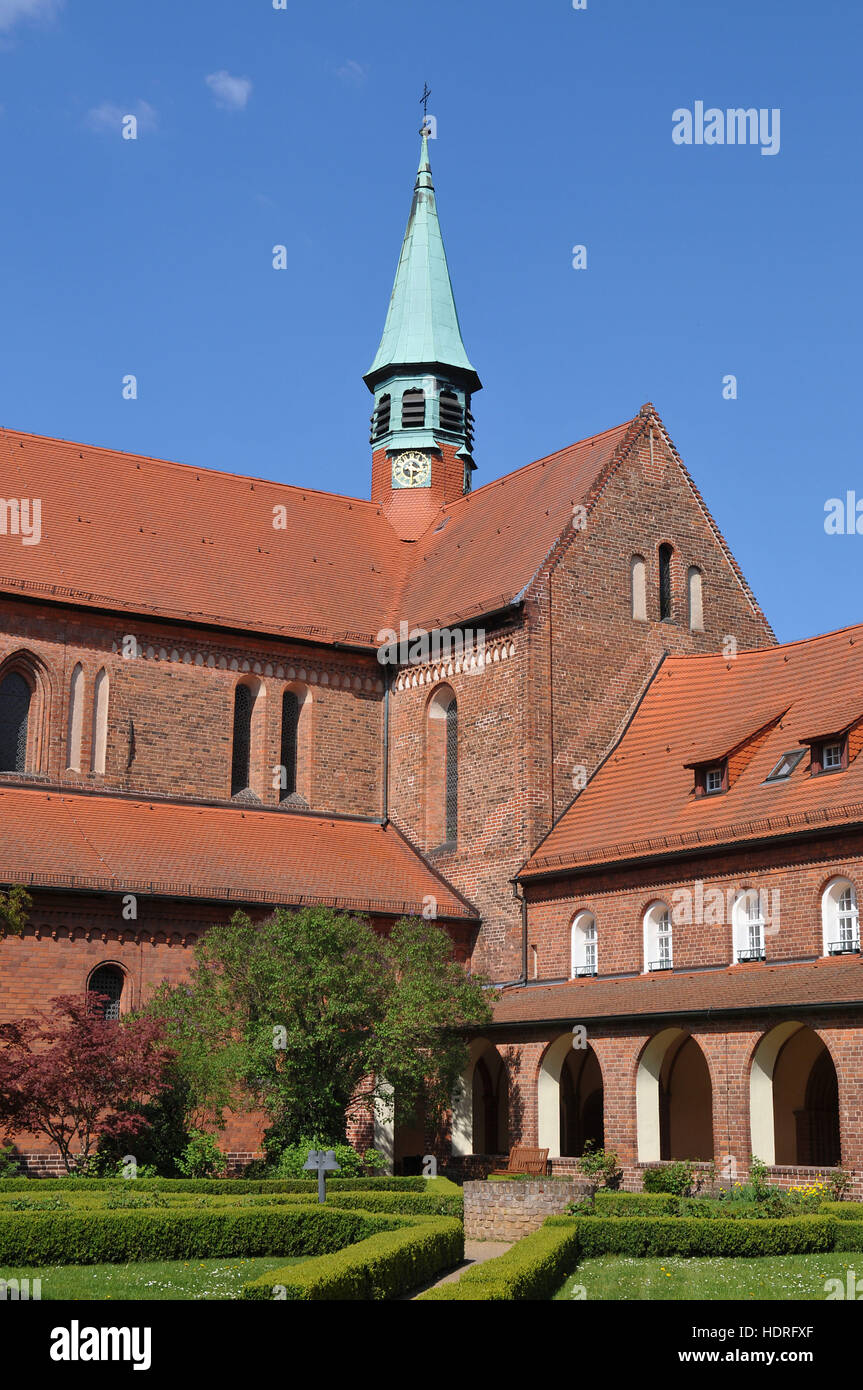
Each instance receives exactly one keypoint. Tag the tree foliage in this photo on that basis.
(313, 1012)
(15, 905)
(76, 1077)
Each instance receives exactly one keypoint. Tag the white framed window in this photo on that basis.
(713, 780)
(584, 945)
(832, 756)
(658, 953)
(748, 926)
(840, 918)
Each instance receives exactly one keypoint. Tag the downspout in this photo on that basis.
(386, 797)
(522, 979)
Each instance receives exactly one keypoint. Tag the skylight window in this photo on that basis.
(786, 765)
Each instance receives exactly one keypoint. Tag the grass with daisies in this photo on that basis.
(780, 1278)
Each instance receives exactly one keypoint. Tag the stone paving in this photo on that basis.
(475, 1252)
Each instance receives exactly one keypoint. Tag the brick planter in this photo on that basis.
(510, 1210)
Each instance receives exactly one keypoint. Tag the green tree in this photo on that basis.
(15, 905)
(314, 1011)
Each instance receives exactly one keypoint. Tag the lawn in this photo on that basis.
(167, 1279)
(780, 1278)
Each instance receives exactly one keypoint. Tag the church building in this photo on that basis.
(546, 711)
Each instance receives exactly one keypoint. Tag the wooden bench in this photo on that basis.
(524, 1163)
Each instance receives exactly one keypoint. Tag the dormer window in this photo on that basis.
(786, 765)
(829, 755)
(711, 779)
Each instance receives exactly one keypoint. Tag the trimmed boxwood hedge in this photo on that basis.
(402, 1203)
(533, 1269)
(843, 1211)
(636, 1204)
(383, 1265)
(682, 1235)
(216, 1186)
(96, 1237)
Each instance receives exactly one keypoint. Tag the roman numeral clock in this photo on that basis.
(412, 469)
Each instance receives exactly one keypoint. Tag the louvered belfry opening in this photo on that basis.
(242, 739)
(665, 553)
(413, 410)
(381, 418)
(452, 772)
(15, 697)
(107, 980)
(290, 726)
(451, 414)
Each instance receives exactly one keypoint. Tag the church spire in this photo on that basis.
(422, 327)
(422, 378)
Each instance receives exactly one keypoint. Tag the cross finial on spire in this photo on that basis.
(425, 105)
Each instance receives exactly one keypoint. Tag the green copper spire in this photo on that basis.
(422, 328)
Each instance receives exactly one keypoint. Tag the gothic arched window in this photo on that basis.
(665, 554)
(242, 743)
(442, 768)
(451, 806)
(99, 747)
(290, 728)
(638, 587)
(15, 697)
(76, 719)
(696, 600)
(107, 980)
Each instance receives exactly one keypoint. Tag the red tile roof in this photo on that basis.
(738, 988)
(136, 534)
(497, 538)
(695, 708)
(59, 839)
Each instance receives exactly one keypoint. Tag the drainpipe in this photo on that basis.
(522, 979)
(386, 805)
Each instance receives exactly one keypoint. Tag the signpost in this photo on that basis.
(321, 1163)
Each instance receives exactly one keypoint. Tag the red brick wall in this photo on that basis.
(579, 664)
(793, 877)
(728, 1046)
(179, 693)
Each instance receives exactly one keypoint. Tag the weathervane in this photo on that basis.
(425, 102)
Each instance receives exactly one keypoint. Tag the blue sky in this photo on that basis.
(154, 256)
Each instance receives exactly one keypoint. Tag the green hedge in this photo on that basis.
(216, 1186)
(843, 1211)
(96, 1237)
(849, 1235)
(383, 1265)
(636, 1204)
(402, 1203)
(681, 1235)
(532, 1269)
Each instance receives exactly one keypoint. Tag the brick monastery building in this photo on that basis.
(629, 807)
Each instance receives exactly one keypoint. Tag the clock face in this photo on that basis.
(412, 469)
